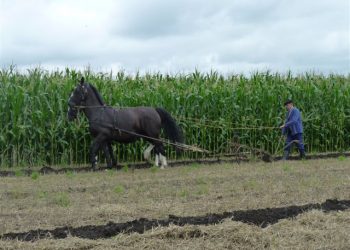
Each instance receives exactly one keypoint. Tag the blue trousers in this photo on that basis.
(299, 145)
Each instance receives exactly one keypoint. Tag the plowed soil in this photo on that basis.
(258, 217)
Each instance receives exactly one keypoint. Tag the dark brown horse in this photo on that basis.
(124, 125)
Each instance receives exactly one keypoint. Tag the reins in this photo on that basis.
(181, 145)
(196, 120)
(97, 106)
(175, 144)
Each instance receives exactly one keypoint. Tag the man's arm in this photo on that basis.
(293, 118)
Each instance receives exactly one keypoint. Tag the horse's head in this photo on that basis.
(77, 98)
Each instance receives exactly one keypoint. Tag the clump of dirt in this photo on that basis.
(258, 217)
(187, 234)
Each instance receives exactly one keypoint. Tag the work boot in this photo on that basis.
(302, 155)
(285, 155)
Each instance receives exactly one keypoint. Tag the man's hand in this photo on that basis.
(283, 126)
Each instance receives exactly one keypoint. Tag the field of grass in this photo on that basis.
(51, 201)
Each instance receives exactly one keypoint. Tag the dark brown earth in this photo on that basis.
(221, 159)
(140, 165)
(257, 217)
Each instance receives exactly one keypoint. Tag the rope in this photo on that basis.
(189, 147)
(96, 106)
(175, 144)
(238, 128)
(198, 121)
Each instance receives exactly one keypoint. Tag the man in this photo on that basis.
(293, 129)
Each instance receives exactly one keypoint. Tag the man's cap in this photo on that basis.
(287, 102)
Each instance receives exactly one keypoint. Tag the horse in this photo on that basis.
(124, 125)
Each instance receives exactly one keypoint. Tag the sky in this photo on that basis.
(177, 36)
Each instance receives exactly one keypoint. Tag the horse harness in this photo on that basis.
(100, 121)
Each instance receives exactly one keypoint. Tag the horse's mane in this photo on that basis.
(99, 97)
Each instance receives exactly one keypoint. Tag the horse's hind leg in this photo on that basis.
(160, 156)
(163, 161)
(147, 152)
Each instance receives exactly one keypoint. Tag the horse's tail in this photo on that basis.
(172, 130)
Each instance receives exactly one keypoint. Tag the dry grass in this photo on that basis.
(312, 230)
(96, 198)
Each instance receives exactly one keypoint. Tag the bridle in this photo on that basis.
(83, 92)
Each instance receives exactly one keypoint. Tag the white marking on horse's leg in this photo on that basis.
(163, 161)
(147, 152)
(157, 161)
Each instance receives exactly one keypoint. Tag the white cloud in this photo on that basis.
(177, 36)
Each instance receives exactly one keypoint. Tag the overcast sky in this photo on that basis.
(175, 36)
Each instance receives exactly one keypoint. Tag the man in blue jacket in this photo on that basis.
(293, 129)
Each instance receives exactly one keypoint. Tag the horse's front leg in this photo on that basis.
(97, 143)
(110, 149)
(107, 155)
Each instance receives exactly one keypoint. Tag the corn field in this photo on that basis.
(213, 111)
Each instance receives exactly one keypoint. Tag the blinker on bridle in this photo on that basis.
(83, 92)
